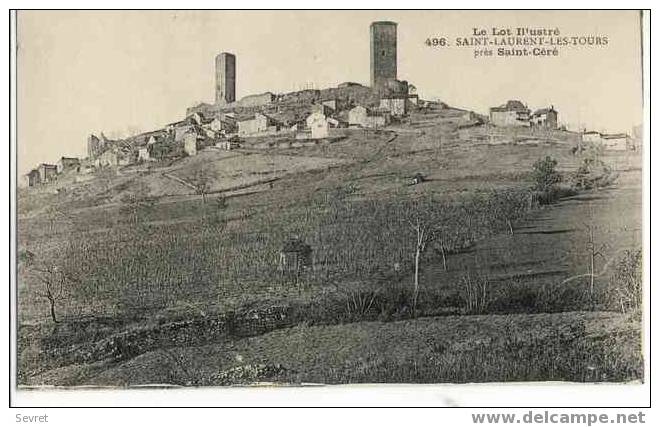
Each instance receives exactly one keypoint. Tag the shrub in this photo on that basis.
(592, 174)
(545, 175)
(627, 281)
(553, 194)
(475, 294)
(359, 303)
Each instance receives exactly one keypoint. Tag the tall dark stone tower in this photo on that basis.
(383, 53)
(225, 78)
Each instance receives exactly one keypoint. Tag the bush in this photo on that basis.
(627, 291)
(518, 295)
(545, 175)
(475, 294)
(553, 194)
(592, 174)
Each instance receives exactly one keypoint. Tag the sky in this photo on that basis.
(120, 72)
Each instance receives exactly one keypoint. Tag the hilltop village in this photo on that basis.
(352, 234)
(308, 116)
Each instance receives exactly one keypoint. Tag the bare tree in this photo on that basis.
(53, 280)
(593, 252)
(443, 252)
(424, 236)
(425, 223)
(447, 231)
(506, 206)
(475, 294)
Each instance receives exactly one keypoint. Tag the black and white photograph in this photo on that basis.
(264, 199)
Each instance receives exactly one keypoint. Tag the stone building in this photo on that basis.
(317, 123)
(178, 130)
(513, 113)
(114, 156)
(201, 119)
(47, 172)
(260, 124)
(611, 141)
(591, 137)
(190, 144)
(397, 106)
(367, 118)
(33, 178)
(545, 118)
(143, 155)
(615, 141)
(65, 164)
(223, 125)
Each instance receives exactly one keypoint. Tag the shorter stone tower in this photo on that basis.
(225, 78)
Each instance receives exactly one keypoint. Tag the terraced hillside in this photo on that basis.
(167, 283)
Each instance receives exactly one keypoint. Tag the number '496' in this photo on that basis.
(436, 41)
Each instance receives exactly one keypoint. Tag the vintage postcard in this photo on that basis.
(287, 198)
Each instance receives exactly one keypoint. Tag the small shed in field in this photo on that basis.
(295, 256)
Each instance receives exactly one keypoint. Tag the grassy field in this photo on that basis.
(157, 270)
(573, 346)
